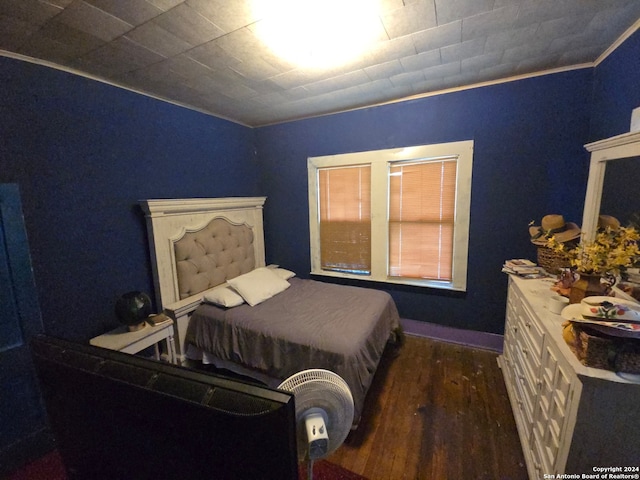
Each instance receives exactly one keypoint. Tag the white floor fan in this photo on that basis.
(324, 413)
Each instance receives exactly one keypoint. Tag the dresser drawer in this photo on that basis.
(526, 398)
(532, 329)
(530, 351)
(542, 463)
(555, 397)
(510, 341)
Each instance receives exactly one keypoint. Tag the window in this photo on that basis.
(345, 218)
(397, 215)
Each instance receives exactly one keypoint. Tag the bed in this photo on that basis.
(261, 321)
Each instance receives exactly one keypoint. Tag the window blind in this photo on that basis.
(345, 218)
(421, 219)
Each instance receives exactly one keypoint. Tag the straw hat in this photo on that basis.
(605, 221)
(553, 225)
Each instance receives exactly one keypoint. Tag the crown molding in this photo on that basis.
(621, 39)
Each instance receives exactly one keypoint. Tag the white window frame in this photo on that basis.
(379, 161)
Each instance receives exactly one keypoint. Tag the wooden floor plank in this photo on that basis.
(435, 411)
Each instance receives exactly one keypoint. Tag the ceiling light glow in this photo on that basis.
(318, 33)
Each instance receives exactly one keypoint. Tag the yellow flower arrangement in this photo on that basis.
(611, 251)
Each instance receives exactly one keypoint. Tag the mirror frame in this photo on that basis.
(603, 151)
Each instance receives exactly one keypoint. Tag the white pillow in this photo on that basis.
(223, 296)
(284, 273)
(258, 285)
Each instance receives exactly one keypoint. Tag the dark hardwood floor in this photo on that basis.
(435, 411)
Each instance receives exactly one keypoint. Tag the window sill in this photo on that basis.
(394, 281)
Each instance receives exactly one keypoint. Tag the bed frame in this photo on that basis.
(169, 222)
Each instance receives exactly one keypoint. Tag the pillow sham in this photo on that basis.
(284, 273)
(258, 285)
(223, 297)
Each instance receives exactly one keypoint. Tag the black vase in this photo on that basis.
(133, 308)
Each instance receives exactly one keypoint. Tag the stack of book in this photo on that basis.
(159, 319)
(523, 268)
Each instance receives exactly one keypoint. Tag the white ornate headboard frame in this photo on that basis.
(168, 221)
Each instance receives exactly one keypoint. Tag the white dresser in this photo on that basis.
(570, 418)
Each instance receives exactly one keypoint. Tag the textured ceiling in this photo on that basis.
(205, 54)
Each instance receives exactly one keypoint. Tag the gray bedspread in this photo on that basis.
(311, 324)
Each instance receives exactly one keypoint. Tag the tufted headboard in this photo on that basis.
(196, 244)
(212, 255)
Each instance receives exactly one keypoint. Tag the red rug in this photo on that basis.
(323, 470)
(50, 467)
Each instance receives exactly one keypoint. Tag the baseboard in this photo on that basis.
(470, 338)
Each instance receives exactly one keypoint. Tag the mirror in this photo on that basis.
(623, 148)
(620, 190)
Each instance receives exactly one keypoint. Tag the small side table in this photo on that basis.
(122, 340)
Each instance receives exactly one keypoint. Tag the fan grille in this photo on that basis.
(323, 389)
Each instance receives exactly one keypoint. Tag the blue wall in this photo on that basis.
(616, 90)
(83, 154)
(528, 162)
(616, 94)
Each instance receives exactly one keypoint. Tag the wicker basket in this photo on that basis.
(595, 349)
(553, 262)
